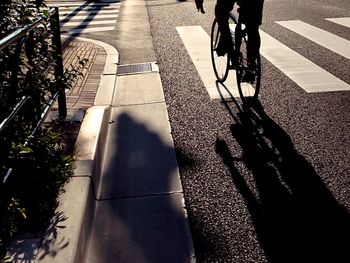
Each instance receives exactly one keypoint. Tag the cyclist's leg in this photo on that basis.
(253, 22)
(222, 9)
(253, 45)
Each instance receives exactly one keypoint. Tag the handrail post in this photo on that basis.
(55, 27)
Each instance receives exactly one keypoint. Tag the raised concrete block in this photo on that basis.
(147, 229)
(140, 157)
(105, 91)
(88, 138)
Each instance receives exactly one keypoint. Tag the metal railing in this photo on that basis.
(22, 41)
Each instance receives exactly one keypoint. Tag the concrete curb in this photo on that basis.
(77, 202)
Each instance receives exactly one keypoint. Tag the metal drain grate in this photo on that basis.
(134, 68)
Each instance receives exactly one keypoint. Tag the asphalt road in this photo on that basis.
(271, 183)
(265, 184)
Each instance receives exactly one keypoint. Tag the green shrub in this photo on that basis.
(29, 197)
(38, 166)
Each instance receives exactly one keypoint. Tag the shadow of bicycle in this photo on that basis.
(295, 216)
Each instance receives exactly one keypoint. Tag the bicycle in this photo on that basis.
(248, 90)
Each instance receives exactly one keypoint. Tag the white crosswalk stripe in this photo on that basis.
(84, 4)
(344, 21)
(86, 23)
(328, 40)
(92, 12)
(306, 74)
(302, 71)
(87, 17)
(197, 43)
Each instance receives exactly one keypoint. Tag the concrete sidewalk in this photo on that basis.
(125, 202)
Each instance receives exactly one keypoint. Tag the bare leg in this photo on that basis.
(222, 9)
(253, 45)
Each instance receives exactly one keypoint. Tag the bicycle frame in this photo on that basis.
(248, 79)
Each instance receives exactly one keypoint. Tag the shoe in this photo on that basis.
(221, 50)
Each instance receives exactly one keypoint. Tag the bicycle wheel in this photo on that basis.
(248, 87)
(220, 63)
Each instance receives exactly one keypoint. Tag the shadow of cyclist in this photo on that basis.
(296, 218)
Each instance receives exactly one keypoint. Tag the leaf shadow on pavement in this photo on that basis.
(295, 216)
(26, 249)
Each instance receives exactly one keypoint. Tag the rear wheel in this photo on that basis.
(220, 63)
(248, 86)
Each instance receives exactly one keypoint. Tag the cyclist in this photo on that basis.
(251, 15)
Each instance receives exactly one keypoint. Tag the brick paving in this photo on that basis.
(83, 92)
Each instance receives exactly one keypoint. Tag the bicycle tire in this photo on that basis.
(248, 91)
(220, 63)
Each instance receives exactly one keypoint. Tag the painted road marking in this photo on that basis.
(344, 21)
(321, 37)
(87, 23)
(306, 74)
(86, 17)
(197, 43)
(85, 4)
(302, 71)
(93, 12)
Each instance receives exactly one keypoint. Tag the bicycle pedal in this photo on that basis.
(220, 52)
